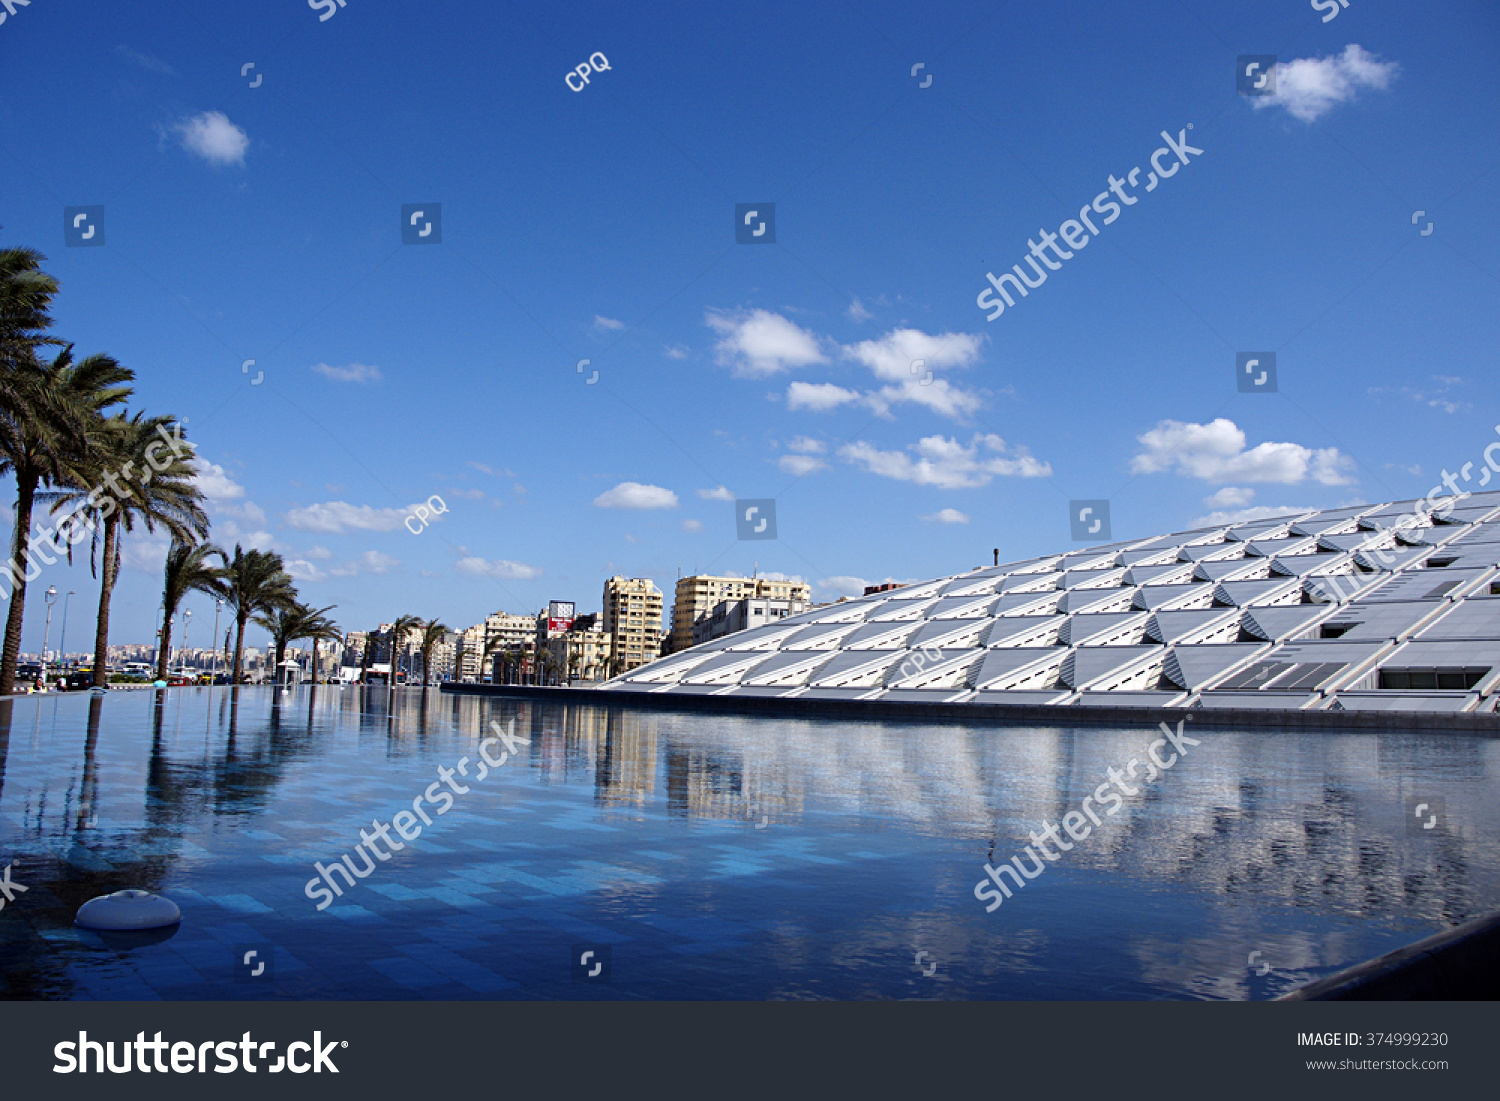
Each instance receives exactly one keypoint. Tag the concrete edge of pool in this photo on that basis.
(998, 714)
(1460, 964)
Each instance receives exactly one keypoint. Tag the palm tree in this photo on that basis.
(48, 412)
(190, 568)
(366, 654)
(432, 634)
(285, 623)
(253, 582)
(403, 626)
(316, 628)
(122, 452)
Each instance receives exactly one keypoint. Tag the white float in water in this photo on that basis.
(128, 910)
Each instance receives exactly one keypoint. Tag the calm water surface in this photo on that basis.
(712, 856)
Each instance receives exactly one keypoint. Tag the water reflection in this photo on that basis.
(1294, 844)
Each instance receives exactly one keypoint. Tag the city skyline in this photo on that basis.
(572, 230)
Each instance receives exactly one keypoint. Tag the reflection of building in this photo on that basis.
(697, 596)
(632, 619)
(743, 615)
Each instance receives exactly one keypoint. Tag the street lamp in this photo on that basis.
(62, 641)
(187, 620)
(50, 596)
(214, 676)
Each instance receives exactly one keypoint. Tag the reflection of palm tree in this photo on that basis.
(254, 581)
(189, 569)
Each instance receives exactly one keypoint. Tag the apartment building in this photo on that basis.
(697, 596)
(632, 619)
(582, 653)
(745, 614)
(468, 658)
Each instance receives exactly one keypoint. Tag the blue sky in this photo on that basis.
(263, 223)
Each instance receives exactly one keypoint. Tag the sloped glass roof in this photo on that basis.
(1326, 602)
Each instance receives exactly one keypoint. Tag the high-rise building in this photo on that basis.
(632, 619)
(697, 596)
(469, 657)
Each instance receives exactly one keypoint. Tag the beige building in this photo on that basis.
(698, 596)
(582, 654)
(468, 657)
(632, 619)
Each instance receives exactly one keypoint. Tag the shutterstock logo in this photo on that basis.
(422, 224)
(755, 223)
(10, 7)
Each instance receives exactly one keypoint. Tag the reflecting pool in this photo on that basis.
(625, 854)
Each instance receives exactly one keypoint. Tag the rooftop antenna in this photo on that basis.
(997, 556)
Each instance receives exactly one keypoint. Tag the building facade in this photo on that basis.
(582, 654)
(632, 619)
(745, 614)
(697, 596)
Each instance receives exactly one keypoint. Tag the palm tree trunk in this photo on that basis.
(11, 654)
(315, 656)
(166, 647)
(239, 647)
(280, 656)
(107, 574)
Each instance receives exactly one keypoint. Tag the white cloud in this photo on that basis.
(947, 516)
(213, 137)
(607, 324)
(355, 372)
(320, 553)
(338, 517)
(491, 471)
(147, 555)
(1434, 399)
(948, 464)
(806, 445)
(500, 569)
(892, 357)
(1230, 497)
(636, 495)
(757, 343)
(718, 493)
(1216, 452)
(692, 525)
(145, 61)
(939, 395)
(216, 484)
(303, 570)
(372, 562)
(800, 464)
(678, 351)
(1245, 515)
(844, 585)
(857, 312)
(818, 396)
(1310, 87)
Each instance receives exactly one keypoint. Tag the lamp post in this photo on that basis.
(62, 641)
(187, 619)
(214, 676)
(50, 596)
